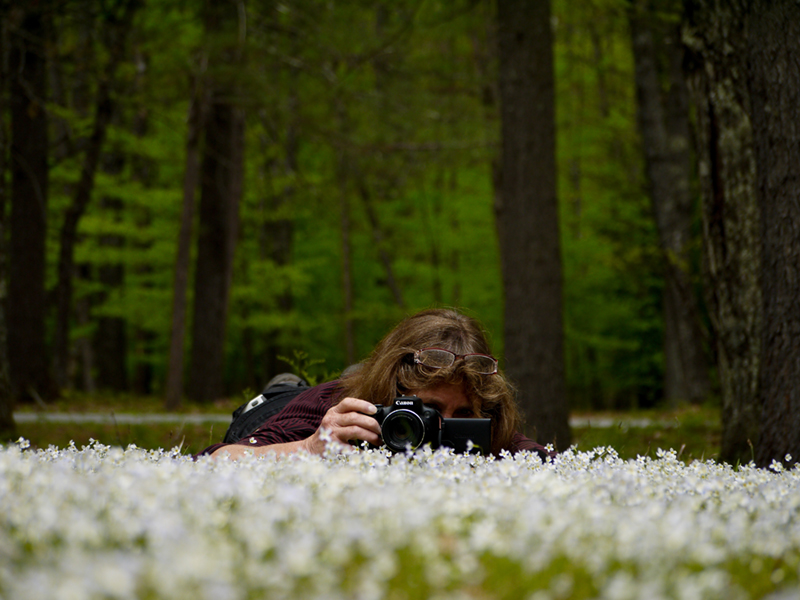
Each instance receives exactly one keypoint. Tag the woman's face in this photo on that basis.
(450, 400)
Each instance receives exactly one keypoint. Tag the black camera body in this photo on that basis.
(408, 423)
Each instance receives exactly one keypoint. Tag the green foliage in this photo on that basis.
(304, 366)
(387, 112)
(612, 269)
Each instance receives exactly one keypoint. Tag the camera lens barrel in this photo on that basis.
(402, 429)
(408, 423)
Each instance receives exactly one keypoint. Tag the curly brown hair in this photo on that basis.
(389, 371)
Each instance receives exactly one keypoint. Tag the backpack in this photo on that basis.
(253, 414)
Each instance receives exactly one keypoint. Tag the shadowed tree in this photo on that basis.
(29, 190)
(774, 43)
(8, 427)
(114, 30)
(664, 128)
(220, 193)
(197, 107)
(277, 234)
(714, 34)
(7, 424)
(527, 218)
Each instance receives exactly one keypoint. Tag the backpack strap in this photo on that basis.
(253, 414)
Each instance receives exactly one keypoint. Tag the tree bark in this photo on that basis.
(27, 353)
(774, 34)
(117, 26)
(378, 238)
(527, 218)
(84, 350)
(8, 428)
(219, 203)
(381, 64)
(347, 261)
(191, 176)
(343, 177)
(664, 129)
(714, 34)
(220, 192)
(111, 336)
(278, 233)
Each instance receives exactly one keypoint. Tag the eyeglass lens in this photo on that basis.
(438, 359)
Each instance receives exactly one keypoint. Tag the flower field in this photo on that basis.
(106, 523)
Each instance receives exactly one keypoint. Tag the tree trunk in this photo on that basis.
(27, 353)
(111, 336)
(220, 192)
(527, 218)
(343, 176)
(215, 248)
(382, 188)
(715, 38)
(664, 128)
(378, 238)
(117, 27)
(278, 233)
(191, 176)
(73, 92)
(83, 345)
(112, 333)
(774, 31)
(8, 428)
(347, 261)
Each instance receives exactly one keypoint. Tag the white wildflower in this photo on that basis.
(102, 522)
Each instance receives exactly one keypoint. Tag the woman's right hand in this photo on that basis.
(349, 420)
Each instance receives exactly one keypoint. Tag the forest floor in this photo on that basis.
(692, 431)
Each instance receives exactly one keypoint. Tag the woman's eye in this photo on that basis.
(465, 413)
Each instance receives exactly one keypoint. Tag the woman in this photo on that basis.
(439, 355)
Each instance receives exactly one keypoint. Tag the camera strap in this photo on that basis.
(253, 414)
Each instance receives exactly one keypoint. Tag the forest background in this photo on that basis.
(231, 184)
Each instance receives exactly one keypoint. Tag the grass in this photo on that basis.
(694, 432)
(78, 402)
(191, 437)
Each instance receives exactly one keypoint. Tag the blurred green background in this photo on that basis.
(370, 133)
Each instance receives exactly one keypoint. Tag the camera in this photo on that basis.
(408, 423)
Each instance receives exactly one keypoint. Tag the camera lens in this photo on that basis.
(401, 429)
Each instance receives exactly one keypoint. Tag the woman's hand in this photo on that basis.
(348, 420)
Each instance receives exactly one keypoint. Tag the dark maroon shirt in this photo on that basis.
(303, 415)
